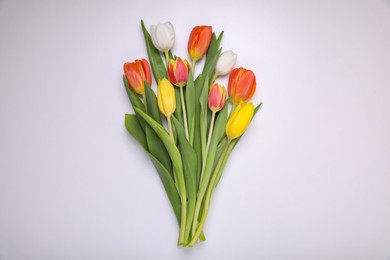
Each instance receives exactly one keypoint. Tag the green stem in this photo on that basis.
(183, 104)
(183, 199)
(214, 77)
(208, 197)
(233, 108)
(199, 199)
(193, 67)
(166, 57)
(170, 127)
(144, 99)
(208, 143)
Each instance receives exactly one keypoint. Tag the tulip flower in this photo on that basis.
(239, 120)
(136, 73)
(163, 36)
(166, 100)
(225, 63)
(199, 41)
(178, 72)
(242, 85)
(217, 97)
(166, 97)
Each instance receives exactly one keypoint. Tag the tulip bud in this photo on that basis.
(242, 85)
(199, 41)
(163, 36)
(136, 73)
(166, 97)
(217, 97)
(178, 72)
(225, 63)
(239, 120)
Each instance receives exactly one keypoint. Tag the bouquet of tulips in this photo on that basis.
(190, 128)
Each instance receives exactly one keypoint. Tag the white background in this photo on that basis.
(309, 180)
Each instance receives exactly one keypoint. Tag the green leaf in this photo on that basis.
(155, 145)
(156, 62)
(151, 103)
(197, 144)
(220, 148)
(190, 169)
(169, 186)
(179, 111)
(177, 163)
(190, 104)
(134, 100)
(134, 128)
(212, 56)
(203, 117)
(170, 145)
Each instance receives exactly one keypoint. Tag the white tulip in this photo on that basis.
(163, 36)
(225, 63)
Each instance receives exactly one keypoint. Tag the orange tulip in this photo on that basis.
(178, 72)
(199, 41)
(217, 97)
(242, 85)
(136, 73)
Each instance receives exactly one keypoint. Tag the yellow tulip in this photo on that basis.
(166, 97)
(239, 120)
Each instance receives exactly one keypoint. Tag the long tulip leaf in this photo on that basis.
(190, 169)
(212, 56)
(156, 62)
(169, 186)
(179, 111)
(134, 128)
(151, 103)
(175, 156)
(197, 140)
(203, 117)
(190, 104)
(155, 145)
(134, 100)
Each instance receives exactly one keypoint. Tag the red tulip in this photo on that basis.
(199, 41)
(217, 97)
(178, 72)
(136, 73)
(242, 85)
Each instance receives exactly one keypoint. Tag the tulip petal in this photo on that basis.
(147, 72)
(246, 86)
(181, 72)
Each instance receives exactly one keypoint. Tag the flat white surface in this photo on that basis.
(310, 180)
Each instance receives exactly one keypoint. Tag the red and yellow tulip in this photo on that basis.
(242, 85)
(136, 73)
(178, 72)
(217, 97)
(199, 41)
